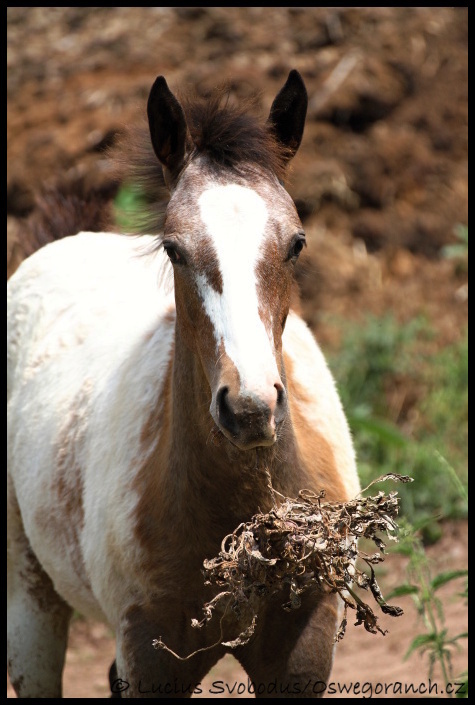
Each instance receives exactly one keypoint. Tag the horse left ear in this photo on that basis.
(168, 129)
(288, 112)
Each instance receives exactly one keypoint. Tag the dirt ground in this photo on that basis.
(380, 183)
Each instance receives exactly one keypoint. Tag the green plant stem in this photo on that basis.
(425, 599)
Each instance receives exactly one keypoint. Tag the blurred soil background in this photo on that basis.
(380, 182)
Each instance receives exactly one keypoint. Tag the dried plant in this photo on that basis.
(302, 543)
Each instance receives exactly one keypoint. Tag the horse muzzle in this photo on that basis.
(249, 419)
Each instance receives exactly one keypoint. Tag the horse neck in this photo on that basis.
(195, 487)
(208, 469)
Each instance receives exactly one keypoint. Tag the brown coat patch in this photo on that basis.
(67, 519)
(314, 450)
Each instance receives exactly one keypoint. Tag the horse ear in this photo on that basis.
(168, 129)
(288, 112)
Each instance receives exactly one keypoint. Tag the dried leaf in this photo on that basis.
(301, 544)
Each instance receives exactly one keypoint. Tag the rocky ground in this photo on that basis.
(380, 180)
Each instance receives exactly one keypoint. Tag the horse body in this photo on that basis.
(143, 420)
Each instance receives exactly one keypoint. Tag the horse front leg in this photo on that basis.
(142, 671)
(291, 655)
(37, 622)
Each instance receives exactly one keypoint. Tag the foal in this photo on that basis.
(144, 422)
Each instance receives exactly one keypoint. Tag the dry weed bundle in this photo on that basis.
(300, 544)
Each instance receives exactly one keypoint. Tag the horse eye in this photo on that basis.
(296, 247)
(174, 256)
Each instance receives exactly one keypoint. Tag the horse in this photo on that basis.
(147, 414)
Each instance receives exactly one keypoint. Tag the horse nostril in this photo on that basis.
(280, 394)
(280, 408)
(226, 415)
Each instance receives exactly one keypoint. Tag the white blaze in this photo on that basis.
(235, 218)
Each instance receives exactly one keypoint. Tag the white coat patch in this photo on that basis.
(236, 218)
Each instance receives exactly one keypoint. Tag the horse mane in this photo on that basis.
(230, 135)
(62, 208)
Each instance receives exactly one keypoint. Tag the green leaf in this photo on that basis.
(462, 635)
(383, 430)
(422, 642)
(404, 589)
(454, 251)
(459, 249)
(446, 577)
(453, 475)
(128, 204)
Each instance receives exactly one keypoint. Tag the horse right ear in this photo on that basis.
(288, 113)
(168, 130)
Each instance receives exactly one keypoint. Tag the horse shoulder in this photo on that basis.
(320, 426)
